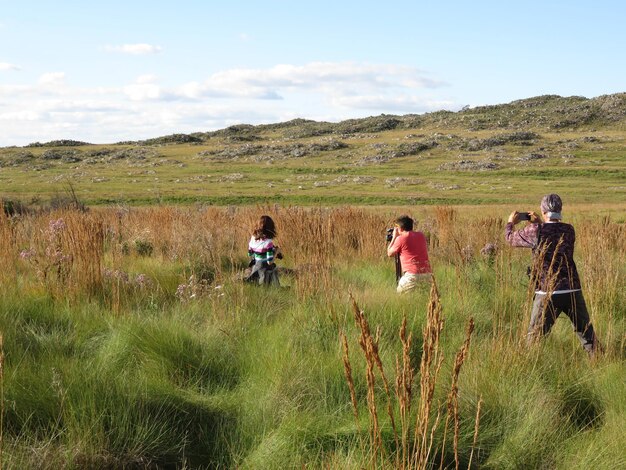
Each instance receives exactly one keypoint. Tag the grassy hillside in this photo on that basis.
(479, 155)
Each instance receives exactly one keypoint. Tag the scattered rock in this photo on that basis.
(15, 158)
(172, 139)
(132, 154)
(469, 165)
(59, 143)
(399, 180)
(443, 187)
(369, 125)
(271, 152)
(532, 156)
(62, 154)
(231, 178)
(519, 138)
(363, 179)
(241, 138)
(372, 159)
(413, 148)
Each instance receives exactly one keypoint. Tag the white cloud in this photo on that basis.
(323, 77)
(83, 105)
(20, 116)
(142, 91)
(245, 37)
(395, 103)
(54, 108)
(135, 49)
(148, 78)
(52, 78)
(145, 88)
(224, 89)
(315, 74)
(4, 66)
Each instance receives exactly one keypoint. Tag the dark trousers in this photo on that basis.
(547, 308)
(264, 274)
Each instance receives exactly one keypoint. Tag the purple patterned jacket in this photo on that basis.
(553, 253)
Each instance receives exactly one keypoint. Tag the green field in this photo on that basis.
(512, 153)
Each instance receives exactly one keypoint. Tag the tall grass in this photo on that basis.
(130, 342)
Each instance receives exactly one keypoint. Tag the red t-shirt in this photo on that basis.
(412, 248)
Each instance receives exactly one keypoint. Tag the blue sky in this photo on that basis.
(109, 71)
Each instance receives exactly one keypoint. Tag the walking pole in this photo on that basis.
(398, 268)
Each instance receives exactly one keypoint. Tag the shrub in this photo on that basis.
(13, 207)
(144, 247)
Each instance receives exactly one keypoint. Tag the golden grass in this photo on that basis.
(315, 242)
(415, 453)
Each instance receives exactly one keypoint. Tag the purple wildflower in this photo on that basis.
(27, 254)
(142, 280)
(180, 291)
(56, 226)
(490, 249)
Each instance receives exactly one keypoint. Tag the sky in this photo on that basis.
(110, 71)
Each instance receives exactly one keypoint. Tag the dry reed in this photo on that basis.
(8, 250)
(409, 453)
(430, 365)
(404, 390)
(84, 240)
(369, 346)
(603, 272)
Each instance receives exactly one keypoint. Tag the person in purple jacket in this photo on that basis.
(557, 284)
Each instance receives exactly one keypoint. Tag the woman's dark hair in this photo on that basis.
(405, 223)
(264, 228)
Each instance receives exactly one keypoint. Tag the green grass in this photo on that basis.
(254, 378)
(175, 174)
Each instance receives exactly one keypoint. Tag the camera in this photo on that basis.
(523, 215)
(389, 234)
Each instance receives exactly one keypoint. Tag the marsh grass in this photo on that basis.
(104, 371)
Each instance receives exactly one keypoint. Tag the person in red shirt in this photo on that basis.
(412, 249)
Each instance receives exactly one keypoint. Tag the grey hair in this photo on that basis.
(552, 205)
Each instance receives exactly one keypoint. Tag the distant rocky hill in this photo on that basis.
(547, 112)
